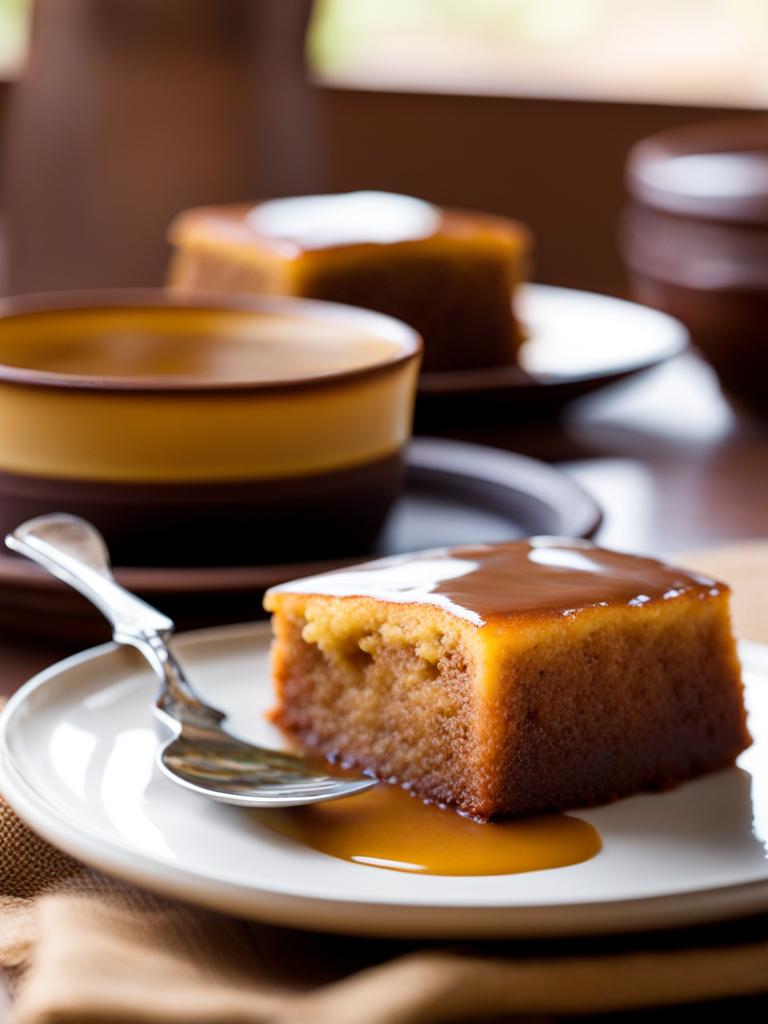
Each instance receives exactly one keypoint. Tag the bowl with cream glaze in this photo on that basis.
(205, 430)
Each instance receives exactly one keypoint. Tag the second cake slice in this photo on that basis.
(451, 274)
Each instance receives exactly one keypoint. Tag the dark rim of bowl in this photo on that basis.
(369, 321)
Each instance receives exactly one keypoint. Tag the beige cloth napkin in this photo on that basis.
(83, 949)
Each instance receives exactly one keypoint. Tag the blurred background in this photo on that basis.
(630, 135)
(115, 114)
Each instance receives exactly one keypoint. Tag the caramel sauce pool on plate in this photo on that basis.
(386, 827)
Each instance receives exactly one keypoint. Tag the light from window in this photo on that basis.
(705, 52)
(14, 17)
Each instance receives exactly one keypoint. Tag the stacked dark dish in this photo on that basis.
(696, 241)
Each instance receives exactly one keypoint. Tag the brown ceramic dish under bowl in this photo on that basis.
(696, 241)
(455, 493)
(205, 430)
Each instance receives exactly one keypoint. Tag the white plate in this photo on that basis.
(77, 750)
(583, 334)
(576, 342)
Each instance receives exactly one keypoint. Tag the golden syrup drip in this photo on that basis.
(388, 828)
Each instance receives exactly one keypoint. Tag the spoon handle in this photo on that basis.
(75, 552)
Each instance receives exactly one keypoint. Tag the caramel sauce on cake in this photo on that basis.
(298, 225)
(540, 576)
(388, 828)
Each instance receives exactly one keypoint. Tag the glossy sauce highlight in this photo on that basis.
(349, 218)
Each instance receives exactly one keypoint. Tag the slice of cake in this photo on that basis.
(450, 274)
(512, 678)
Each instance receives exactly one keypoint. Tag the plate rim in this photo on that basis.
(349, 915)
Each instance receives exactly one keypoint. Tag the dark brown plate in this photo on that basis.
(577, 342)
(455, 493)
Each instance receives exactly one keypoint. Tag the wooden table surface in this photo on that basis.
(673, 463)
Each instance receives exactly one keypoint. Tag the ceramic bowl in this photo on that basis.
(201, 431)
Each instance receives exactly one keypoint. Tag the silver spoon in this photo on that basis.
(199, 753)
